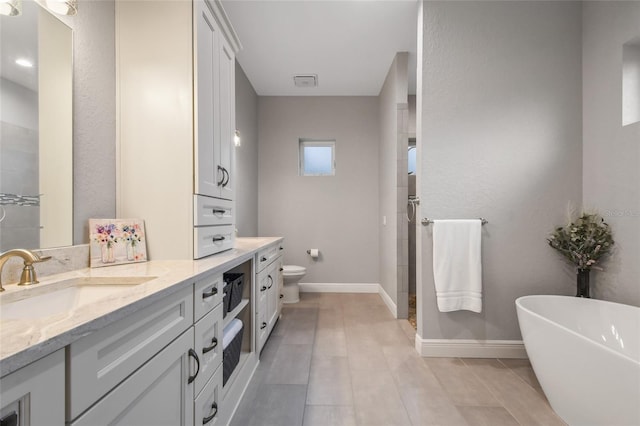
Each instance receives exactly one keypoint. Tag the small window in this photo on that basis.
(317, 158)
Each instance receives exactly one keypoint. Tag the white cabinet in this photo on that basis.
(103, 359)
(176, 102)
(269, 291)
(208, 345)
(159, 393)
(35, 393)
(215, 115)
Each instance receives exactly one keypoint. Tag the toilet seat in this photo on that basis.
(289, 270)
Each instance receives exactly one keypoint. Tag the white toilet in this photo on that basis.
(292, 274)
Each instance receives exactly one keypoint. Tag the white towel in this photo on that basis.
(457, 267)
(230, 331)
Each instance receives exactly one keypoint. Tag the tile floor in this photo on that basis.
(342, 359)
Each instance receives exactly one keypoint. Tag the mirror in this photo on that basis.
(36, 136)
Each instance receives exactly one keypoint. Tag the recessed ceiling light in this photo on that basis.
(307, 80)
(24, 63)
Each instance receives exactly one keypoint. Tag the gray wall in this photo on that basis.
(392, 183)
(339, 214)
(499, 136)
(246, 170)
(611, 171)
(94, 114)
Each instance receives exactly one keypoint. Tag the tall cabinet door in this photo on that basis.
(227, 117)
(209, 177)
(273, 292)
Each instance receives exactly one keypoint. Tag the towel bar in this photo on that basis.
(426, 221)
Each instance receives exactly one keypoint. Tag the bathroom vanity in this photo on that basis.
(140, 343)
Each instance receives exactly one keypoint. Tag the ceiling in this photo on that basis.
(349, 44)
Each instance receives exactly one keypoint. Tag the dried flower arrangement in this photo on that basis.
(583, 242)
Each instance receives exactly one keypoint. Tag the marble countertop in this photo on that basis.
(25, 338)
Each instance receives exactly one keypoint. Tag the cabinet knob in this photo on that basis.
(263, 326)
(263, 259)
(281, 296)
(281, 269)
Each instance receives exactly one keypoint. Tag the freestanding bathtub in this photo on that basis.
(586, 355)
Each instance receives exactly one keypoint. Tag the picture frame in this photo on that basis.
(116, 241)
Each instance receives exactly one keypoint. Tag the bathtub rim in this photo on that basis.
(572, 332)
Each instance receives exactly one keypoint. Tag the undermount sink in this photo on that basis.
(63, 296)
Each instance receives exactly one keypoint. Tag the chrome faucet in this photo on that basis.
(28, 273)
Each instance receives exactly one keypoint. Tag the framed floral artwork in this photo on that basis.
(116, 241)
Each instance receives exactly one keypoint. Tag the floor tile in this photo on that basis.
(487, 416)
(290, 365)
(329, 415)
(365, 356)
(329, 382)
(278, 405)
(341, 359)
(526, 405)
(376, 399)
(463, 387)
(330, 343)
(522, 367)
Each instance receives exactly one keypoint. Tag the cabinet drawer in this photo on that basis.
(268, 255)
(210, 240)
(207, 294)
(207, 404)
(212, 211)
(208, 345)
(159, 393)
(35, 392)
(98, 362)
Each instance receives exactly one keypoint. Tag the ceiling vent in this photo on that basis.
(307, 80)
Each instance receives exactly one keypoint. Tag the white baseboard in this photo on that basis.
(388, 301)
(459, 348)
(339, 287)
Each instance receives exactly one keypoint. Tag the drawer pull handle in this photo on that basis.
(194, 355)
(263, 259)
(214, 343)
(263, 326)
(271, 281)
(218, 238)
(206, 420)
(263, 288)
(218, 211)
(281, 269)
(281, 248)
(220, 169)
(211, 293)
(281, 296)
(225, 178)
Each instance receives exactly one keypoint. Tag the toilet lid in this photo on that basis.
(293, 269)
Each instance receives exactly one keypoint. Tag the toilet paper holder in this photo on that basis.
(314, 253)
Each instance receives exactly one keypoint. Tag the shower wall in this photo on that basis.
(19, 165)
